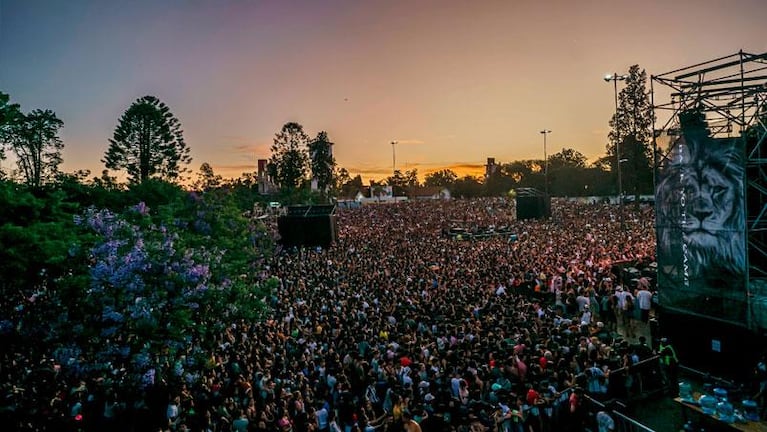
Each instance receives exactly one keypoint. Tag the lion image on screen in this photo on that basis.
(700, 210)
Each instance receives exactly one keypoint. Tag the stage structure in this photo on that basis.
(532, 204)
(710, 166)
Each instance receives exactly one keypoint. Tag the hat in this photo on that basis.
(429, 397)
(496, 387)
(619, 288)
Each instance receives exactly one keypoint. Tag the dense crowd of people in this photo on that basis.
(397, 327)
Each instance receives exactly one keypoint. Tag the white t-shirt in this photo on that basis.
(621, 295)
(644, 298)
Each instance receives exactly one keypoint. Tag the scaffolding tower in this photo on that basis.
(731, 92)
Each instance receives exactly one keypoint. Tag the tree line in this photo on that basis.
(148, 144)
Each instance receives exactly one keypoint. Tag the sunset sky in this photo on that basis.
(454, 82)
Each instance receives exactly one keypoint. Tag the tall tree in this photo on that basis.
(323, 163)
(631, 134)
(289, 162)
(34, 139)
(348, 185)
(207, 179)
(441, 178)
(467, 187)
(148, 143)
(10, 114)
(567, 158)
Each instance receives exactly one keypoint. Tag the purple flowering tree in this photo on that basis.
(155, 290)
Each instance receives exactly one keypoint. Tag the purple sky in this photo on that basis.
(454, 82)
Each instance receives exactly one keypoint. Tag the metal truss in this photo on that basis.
(731, 92)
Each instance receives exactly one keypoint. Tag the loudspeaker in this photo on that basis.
(320, 230)
(532, 207)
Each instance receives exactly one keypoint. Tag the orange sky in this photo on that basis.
(454, 82)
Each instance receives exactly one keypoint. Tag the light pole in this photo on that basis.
(614, 77)
(545, 163)
(620, 190)
(393, 158)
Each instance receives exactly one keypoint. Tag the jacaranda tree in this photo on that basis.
(159, 282)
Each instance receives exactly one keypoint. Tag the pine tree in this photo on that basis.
(289, 162)
(323, 163)
(631, 134)
(148, 143)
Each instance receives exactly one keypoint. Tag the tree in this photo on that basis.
(524, 173)
(322, 162)
(411, 178)
(148, 143)
(441, 178)
(631, 134)
(400, 181)
(498, 183)
(207, 179)
(567, 173)
(9, 115)
(348, 186)
(34, 139)
(467, 187)
(567, 158)
(289, 162)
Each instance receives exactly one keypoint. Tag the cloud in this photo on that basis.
(460, 168)
(242, 144)
(246, 167)
(379, 173)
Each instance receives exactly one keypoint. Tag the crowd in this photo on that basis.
(397, 327)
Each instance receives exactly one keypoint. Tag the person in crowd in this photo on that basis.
(378, 326)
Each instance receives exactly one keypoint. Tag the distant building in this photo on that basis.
(265, 184)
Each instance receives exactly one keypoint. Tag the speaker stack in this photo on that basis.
(308, 226)
(532, 204)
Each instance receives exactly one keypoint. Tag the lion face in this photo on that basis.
(710, 197)
(701, 225)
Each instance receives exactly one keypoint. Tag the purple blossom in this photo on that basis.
(141, 208)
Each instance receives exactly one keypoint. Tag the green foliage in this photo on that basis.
(467, 187)
(567, 158)
(156, 194)
(129, 287)
(37, 146)
(631, 135)
(37, 233)
(401, 182)
(148, 143)
(498, 184)
(9, 116)
(441, 178)
(323, 163)
(289, 162)
(207, 179)
(348, 186)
